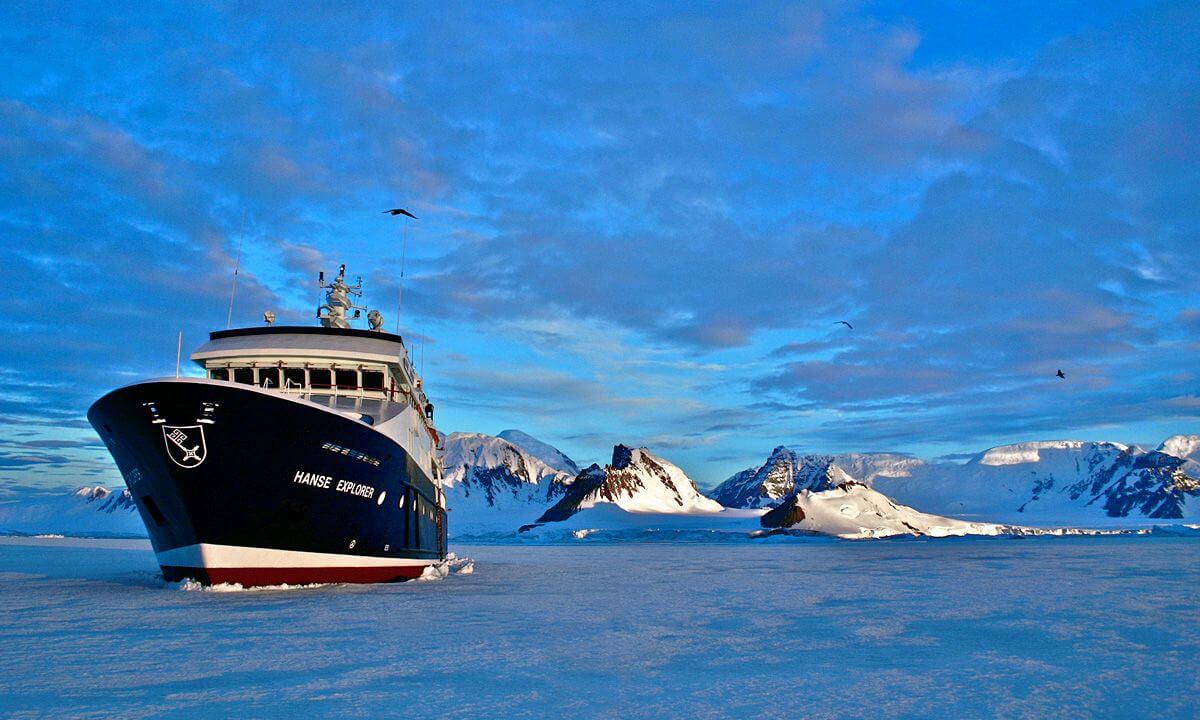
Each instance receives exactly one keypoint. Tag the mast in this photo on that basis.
(335, 311)
(333, 314)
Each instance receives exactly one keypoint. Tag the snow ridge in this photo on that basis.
(1186, 447)
(108, 501)
(1030, 452)
(548, 454)
(853, 510)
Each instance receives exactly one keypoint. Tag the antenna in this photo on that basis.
(320, 287)
(236, 266)
(178, 352)
(403, 256)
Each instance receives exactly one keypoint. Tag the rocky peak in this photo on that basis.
(635, 481)
(622, 456)
(784, 471)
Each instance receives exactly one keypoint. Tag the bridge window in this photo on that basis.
(218, 374)
(347, 379)
(269, 378)
(320, 378)
(293, 377)
(372, 380)
(243, 375)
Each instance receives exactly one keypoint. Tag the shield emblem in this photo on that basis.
(185, 444)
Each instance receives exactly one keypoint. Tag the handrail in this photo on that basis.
(417, 396)
(340, 386)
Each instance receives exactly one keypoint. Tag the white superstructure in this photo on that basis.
(364, 374)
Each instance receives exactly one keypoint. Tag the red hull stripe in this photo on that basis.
(249, 577)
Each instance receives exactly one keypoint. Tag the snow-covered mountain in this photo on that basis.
(786, 470)
(1057, 481)
(491, 482)
(89, 510)
(637, 481)
(550, 455)
(853, 510)
(1182, 446)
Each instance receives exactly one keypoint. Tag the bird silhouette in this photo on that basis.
(843, 322)
(399, 211)
(1060, 374)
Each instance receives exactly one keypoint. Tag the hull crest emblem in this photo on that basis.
(185, 444)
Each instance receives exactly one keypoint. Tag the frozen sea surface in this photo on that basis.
(1037, 627)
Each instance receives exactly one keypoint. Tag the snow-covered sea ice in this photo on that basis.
(970, 627)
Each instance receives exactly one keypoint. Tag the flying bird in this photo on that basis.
(843, 322)
(1060, 374)
(399, 211)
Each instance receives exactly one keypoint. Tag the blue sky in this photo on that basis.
(637, 223)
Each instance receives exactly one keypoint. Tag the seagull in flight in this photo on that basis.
(399, 211)
(1060, 374)
(843, 322)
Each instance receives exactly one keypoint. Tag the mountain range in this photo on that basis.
(1060, 481)
(497, 484)
(1052, 481)
(89, 510)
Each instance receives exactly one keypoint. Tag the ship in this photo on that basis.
(304, 454)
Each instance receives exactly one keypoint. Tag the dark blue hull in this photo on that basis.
(237, 484)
